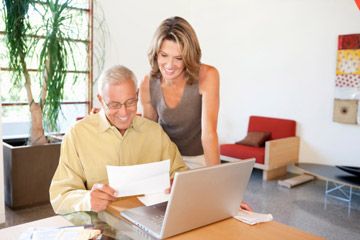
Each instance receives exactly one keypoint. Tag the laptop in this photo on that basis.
(198, 197)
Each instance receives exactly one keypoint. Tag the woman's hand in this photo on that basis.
(245, 206)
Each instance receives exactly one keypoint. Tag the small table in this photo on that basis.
(340, 179)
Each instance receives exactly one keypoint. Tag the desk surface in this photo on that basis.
(227, 229)
(330, 173)
(114, 227)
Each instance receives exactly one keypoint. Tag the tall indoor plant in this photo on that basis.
(55, 51)
(28, 169)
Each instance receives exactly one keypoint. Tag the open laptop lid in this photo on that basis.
(205, 195)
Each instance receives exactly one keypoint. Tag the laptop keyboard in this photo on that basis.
(148, 218)
(157, 219)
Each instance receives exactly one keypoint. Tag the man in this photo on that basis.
(114, 136)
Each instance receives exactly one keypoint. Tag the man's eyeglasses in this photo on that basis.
(127, 104)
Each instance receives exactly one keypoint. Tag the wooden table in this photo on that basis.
(226, 229)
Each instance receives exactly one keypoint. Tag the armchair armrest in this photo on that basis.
(281, 152)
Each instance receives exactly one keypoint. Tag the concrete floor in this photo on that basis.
(302, 207)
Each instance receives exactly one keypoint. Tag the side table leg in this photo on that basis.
(349, 204)
(325, 195)
(339, 191)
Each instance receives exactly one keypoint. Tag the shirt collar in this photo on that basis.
(104, 123)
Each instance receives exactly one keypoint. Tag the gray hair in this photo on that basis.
(115, 75)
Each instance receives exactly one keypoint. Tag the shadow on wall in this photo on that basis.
(231, 131)
(309, 154)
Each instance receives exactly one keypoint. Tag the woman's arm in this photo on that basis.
(148, 110)
(209, 89)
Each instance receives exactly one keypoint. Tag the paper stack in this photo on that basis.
(63, 233)
(252, 218)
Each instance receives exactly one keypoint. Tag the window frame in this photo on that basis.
(89, 72)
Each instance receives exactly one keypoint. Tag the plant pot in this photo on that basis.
(28, 171)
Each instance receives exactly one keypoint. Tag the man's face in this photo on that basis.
(120, 104)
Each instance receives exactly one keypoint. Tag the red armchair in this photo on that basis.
(281, 149)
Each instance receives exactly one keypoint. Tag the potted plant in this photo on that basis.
(28, 169)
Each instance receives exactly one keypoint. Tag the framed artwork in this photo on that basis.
(347, 83)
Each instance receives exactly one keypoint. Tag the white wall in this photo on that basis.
(276, 58)
(130, 26)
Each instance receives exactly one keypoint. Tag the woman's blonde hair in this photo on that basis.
(180, 31)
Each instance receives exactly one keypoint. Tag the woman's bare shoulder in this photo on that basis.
(208, 73)
(205, 68)
(144, 84)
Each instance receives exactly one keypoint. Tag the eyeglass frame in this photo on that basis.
(133, 102)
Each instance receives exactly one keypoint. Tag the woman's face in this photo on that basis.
(170, 61)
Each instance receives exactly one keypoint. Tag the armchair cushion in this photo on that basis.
(255, 139)
(243, 152)
(279, 128)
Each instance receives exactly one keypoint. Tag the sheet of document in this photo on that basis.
(154, 198)
(139, 179)
(66, 233)
(15, 232)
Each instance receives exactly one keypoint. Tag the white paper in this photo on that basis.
(14, 232)
(139, 179)
(253, 217)
(65, 233)
(154, 198)
(57, 233)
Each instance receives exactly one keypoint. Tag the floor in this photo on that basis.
(302, 207)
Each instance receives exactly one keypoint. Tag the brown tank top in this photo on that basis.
(182, 123)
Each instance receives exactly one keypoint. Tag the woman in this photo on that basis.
(181, 93)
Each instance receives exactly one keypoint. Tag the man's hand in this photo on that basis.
(168, 190)
(101, 195)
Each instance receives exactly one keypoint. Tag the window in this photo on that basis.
(77, 98)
